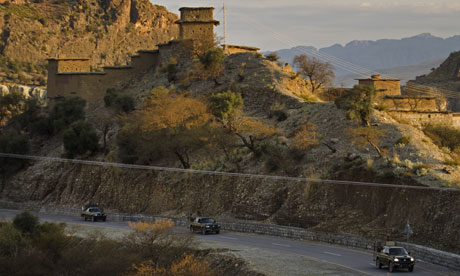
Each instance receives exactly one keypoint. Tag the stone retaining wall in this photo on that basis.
(426, 254)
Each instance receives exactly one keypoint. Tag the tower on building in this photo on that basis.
(198, 24)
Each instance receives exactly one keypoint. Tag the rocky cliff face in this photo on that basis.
(446, 76)
(107, 31)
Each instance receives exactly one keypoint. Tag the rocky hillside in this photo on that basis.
(446, 76)
(107, 31)
(274, 96)
(386, 53)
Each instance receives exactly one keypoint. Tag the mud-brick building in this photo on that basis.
(417, 110)
(389, 96)
(73, 76)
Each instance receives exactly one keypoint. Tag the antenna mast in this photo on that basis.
(225, 25)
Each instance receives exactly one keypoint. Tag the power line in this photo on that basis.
(346, 65)
(229, 174)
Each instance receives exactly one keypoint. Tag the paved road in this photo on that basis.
(355, 261)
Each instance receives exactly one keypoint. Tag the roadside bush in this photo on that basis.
(26, 223)
(80, 138)
(11, 240)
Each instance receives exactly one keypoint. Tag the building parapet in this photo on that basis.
(118, 67)
(81, 73)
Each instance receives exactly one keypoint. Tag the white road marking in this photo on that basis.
(330, 253)
(279, 244)
(228, 238)
(371, 263)
(420, 260)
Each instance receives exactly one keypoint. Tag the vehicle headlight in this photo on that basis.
(396, 260)
(412, 259)
(207, 226)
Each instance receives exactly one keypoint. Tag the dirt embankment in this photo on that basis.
(367, 211)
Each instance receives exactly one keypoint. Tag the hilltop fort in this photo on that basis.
(73, 76)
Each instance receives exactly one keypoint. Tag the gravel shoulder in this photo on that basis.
(265, 261)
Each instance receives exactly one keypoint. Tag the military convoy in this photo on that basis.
(393, 257)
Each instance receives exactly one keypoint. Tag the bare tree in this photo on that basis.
(319, 73)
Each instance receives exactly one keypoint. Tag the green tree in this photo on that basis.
(67, 111)
(273, 57)
(80, 138)
(224, 104)
(11, 104)
(167, 125)
(213, 58)
(358, 103)
(227, 108)
(319, 73)
(15, 143)
(26, 223)
(362, 136)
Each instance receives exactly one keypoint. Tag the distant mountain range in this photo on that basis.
(417, 52)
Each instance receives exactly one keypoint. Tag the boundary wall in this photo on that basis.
(446, 259)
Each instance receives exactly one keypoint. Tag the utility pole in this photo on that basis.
(225, 25)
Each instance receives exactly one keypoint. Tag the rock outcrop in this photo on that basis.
(107, 31)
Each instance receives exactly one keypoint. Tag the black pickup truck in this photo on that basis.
(393, 257)
(92, 213)
(204, 225)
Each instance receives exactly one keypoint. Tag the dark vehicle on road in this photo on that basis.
(204, 225)
(393, 257)
(93, 213)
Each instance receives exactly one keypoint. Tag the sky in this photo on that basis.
(279, 24)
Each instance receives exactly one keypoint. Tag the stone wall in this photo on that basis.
(401, 103)
(419, 119)
(426, 254)
(92, 86)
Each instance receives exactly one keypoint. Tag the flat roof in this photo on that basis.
(67, 59)
(81, 73)
(215, 22)
(378, 79)
(241, 47)
(118, 67)
(196, 8)
(410, 97)
(148, 51)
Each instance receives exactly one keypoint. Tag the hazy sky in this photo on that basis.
(277, 24)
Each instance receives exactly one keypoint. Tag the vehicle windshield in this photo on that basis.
(95, 210)
(206, 220)
(398, 251)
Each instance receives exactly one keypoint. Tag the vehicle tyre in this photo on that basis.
(391, 267)
(378, 264)
(203, 231)
(411, 268)
(104, 219)
(218, 231)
